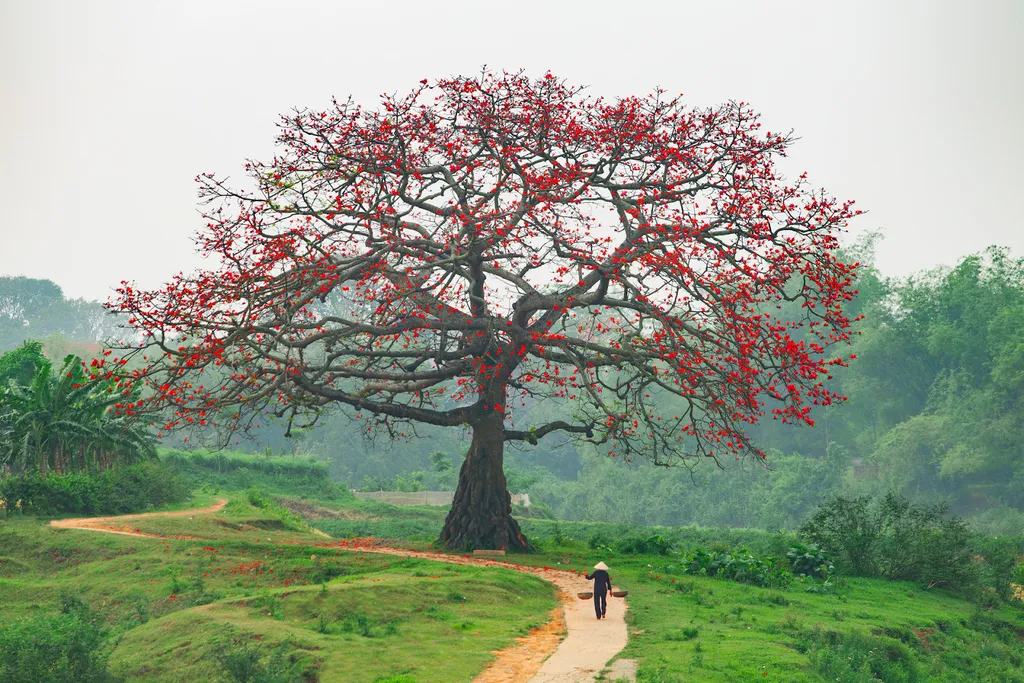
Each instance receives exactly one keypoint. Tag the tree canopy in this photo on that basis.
(497, 239)
(32, 309)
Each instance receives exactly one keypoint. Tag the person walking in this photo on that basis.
(602, 586)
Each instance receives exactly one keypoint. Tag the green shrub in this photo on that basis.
(809, 560)
(896, 539)
(229, 461)
(998, 566)
(637, 545)
(247, 665)
(739, 566)
(55, 648)
(858, 658)
(847, 528)
(598, 541)
(1017, 576)
(215, 471)
(658, 545)
(119, 491)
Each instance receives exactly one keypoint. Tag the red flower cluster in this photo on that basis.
(483, 241)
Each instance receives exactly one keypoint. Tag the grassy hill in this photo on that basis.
(246, 591)
(248, 594)
(685, 627)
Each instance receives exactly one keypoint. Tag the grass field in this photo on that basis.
(250, 594)
(686, 628)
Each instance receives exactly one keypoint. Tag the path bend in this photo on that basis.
(578, 658)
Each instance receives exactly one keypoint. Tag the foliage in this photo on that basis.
(934, 413)
(612, 491)
(633, 545)
(847, 528)
(449, 274)
(19, 366)
(896, 539)
(36, 309)
(132, 488)
(55, 648)
(739, 566)
(412, 481)
(224, 461)
(995, 560)
(225, 470)
(857, 658)
(71, 419)
(443, 472)
(810, 560)
(1017, 576)
(247, 664)
(942, 368)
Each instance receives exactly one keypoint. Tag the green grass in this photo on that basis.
(745, 632)
(381, 520)
(402, 620)
(252, 585)
(219, 472)
(253, 576)
(685, 628)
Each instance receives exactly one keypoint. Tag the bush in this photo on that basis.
(247, 665)
(55, 648)
(895, 539)
(998, 566)
(740, 566)
(858, 658)
(260, 499)
(599, 541)
(637, 545)
(215, 471)
(1018, 575)
(846, 528)
(809, 560)
(119, 491)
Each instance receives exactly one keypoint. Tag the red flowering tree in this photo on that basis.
(495, 238)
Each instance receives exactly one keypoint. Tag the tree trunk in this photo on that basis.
(481, 514)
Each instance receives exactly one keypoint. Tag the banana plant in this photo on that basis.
(61, 421)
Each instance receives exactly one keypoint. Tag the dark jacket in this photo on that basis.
(602, 582)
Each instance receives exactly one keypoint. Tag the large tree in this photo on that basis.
(495, 238)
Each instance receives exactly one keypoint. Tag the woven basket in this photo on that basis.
(585, 596)
(619, 594)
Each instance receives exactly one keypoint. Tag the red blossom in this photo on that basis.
(489, 241)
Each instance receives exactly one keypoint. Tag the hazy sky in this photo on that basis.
(110, 109)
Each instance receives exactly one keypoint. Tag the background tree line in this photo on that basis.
(935, 411)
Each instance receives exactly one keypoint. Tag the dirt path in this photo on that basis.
(540, 657)
(590, 643)
(119, 524)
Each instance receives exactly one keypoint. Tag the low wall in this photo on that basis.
(426, 497)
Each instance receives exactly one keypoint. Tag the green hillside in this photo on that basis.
(253, 591)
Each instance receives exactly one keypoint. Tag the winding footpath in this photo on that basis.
(540, 657)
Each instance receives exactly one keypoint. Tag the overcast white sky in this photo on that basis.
(110, 109)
